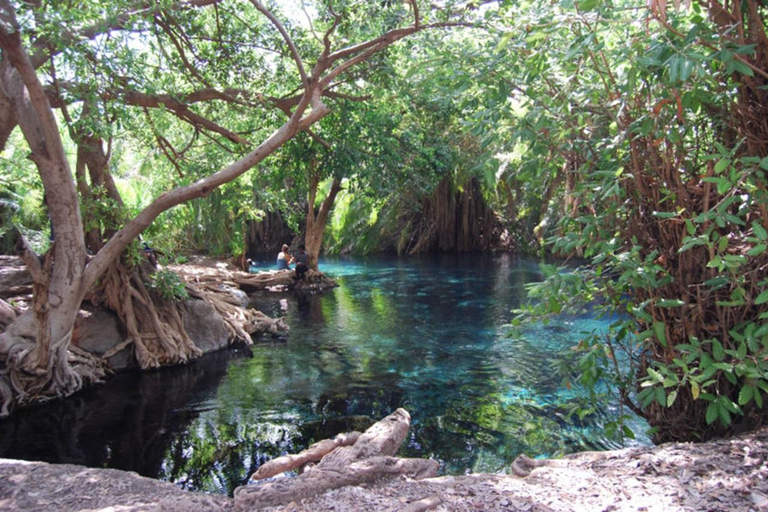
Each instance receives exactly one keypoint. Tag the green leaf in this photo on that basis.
(725, 416)
(718, 352)
(504, 41)
(712, 412)
(671, 398)
(759, 230)
(746, 394)
(720, 166)
(757, 250)
(762, 298)
(589, 5)
(717, 281)
(655, 375)
(742, 67)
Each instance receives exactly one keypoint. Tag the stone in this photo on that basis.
(99, 331)
(205, 327)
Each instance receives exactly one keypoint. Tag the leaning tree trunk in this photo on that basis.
(316, 221)
(43, 370)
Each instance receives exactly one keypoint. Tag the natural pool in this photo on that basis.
(427, 334)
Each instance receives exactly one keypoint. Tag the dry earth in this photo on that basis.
(726, 475)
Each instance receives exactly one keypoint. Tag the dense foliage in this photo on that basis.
(628, 135)
(661, 138)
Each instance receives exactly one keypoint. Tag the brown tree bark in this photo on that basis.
(316, 221)
(369, 459)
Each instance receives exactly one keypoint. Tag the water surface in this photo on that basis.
(427, 334)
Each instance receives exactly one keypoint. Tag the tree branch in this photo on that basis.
(287, 38)
(200, 188)
(416, 17)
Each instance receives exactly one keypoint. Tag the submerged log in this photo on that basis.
(370, 458)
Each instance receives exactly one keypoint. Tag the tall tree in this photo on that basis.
(35, 349)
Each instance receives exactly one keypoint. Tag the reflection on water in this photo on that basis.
(426, 334)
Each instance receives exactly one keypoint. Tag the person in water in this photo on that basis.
(283, 258)
(300, 258)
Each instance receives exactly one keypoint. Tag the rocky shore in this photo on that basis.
(724, 475)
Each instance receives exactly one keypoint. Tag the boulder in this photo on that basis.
(205, 326)
(99, 332)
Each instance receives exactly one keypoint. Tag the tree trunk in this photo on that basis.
(58, 291)
(316, 221)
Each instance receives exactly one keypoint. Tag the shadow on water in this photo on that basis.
(127, 424)
(426, 334)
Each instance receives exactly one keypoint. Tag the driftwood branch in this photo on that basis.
(314, 453)
(370, 458)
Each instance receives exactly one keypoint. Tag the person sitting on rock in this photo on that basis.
(283, 258)
(300, 258)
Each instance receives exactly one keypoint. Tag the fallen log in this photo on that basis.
(370, 458)
(314, 453)
(272, 280)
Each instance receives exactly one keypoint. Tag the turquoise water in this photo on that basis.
(427, 334)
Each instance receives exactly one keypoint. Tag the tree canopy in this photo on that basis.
(630, 136)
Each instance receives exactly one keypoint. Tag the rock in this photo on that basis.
(98, 331)
(7, 314)
(27, 486)
(13, 276)
(205, 327)
(239, 297)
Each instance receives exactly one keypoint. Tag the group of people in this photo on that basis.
(285, 259)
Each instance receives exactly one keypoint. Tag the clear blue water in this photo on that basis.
(427, 334)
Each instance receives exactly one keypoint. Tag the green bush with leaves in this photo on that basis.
(665, 194)
(169, 285)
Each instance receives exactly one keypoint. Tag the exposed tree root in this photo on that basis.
(451, 220)
(154, 325)
(314, 453)
(23, 382)
(370, 458)
(272, 280)
(241, 322)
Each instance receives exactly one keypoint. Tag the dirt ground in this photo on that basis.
(725, 475)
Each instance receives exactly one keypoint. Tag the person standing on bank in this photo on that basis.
(283, 259)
